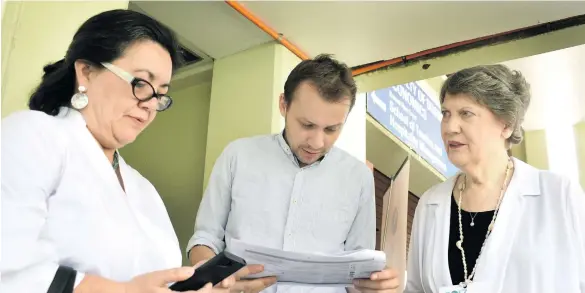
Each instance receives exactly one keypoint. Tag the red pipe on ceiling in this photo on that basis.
(381, 64)
(263, 26)
(367, 68)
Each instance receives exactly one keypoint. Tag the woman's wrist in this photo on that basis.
(95, 284)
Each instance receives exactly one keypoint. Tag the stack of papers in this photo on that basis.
(314, 269)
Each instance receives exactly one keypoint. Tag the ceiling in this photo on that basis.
(211, 28)
(357, 32)
(557, 87)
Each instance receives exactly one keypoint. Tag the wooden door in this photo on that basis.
(382, 182)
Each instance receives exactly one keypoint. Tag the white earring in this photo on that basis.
(80, 99)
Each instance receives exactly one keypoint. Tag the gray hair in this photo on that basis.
(503, 91)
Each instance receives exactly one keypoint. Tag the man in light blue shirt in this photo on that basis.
(294, 190)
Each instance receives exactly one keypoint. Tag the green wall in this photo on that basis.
(35, 33)
(536, 149)
(246, 87)
(519, 151)
(171, 154)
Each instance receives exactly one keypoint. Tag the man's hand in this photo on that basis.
(385, 281)
(251, 286)
(223, 286)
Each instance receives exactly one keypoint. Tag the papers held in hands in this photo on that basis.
(314, 269)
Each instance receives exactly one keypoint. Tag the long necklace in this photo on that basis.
(459, 243)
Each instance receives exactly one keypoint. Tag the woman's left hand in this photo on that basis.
(384, 281)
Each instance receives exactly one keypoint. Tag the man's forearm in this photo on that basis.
(199, 253)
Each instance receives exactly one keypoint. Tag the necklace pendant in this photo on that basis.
(472, 224)
(459, 244)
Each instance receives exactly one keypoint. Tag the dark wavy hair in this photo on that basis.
(102, 38)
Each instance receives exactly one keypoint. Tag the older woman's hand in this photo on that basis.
(383, 281)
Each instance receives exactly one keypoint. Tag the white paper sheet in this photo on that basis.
(314, 269)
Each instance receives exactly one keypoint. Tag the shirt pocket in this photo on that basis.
(258, 206)
(247, 186)
(249, 194)
(333, 215)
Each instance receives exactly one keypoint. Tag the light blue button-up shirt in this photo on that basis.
(257, 193)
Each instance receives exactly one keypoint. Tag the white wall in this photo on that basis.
(353, 136)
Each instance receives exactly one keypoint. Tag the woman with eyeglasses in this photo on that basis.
(75, 216)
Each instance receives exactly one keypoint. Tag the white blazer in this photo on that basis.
(61, 203)
(538, 242)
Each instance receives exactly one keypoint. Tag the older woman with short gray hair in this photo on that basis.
(500, 225)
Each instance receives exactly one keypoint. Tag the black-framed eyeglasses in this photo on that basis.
(142, 89)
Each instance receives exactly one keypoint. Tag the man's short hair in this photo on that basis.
(332, 78)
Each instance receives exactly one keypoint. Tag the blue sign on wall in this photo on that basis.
(415, 118)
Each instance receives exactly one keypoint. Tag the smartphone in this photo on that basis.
(213, 271)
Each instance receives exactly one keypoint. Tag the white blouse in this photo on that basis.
(62, 204)
(537, 245)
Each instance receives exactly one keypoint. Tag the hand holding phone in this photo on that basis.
(246, 284)
(213, 271)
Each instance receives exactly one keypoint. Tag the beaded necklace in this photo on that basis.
(459, 243)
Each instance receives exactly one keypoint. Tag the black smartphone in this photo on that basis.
(213, 271)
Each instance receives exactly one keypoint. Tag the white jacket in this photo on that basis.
(62, 204)
(538, 242)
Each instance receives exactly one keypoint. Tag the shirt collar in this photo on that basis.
(79, 121)
(73, 115)
(524, 181)
(280, 137)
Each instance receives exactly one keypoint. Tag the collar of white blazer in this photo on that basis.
(525, 181)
